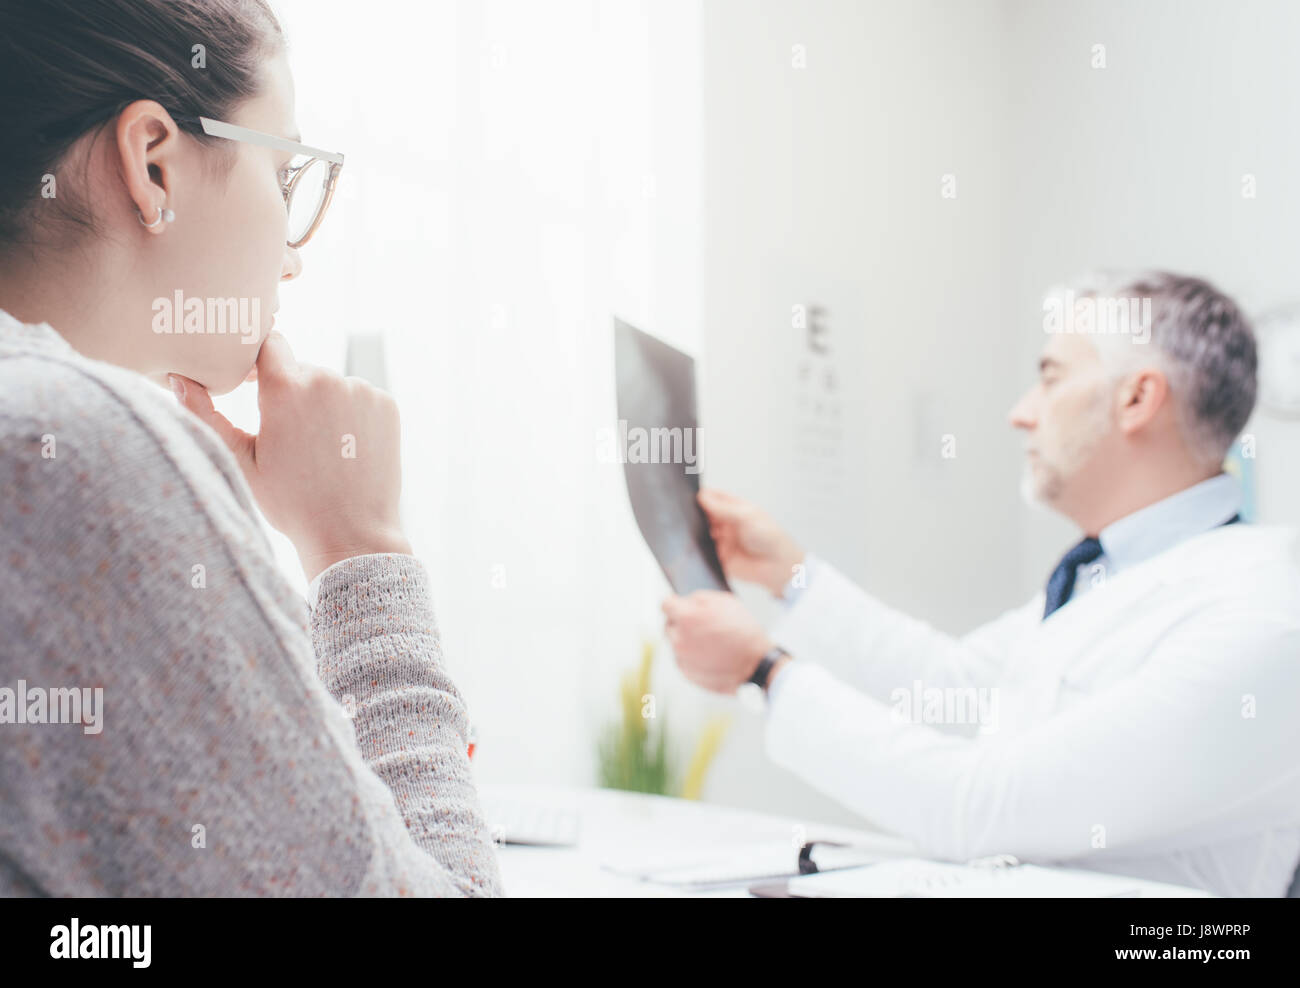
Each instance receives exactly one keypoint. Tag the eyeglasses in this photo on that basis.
(308, 186)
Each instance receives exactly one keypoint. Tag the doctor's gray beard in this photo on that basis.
(1074, 453)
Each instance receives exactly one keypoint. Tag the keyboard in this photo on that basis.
(531, 824)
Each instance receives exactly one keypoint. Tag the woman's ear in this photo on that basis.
(148, 142)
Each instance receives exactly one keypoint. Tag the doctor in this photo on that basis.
(1141, 715)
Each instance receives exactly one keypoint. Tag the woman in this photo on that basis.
(246, 744)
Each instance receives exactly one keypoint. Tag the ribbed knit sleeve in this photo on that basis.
(378, 653)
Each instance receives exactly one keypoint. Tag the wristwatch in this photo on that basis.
(765, 665)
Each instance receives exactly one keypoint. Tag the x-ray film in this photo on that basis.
(658, 436)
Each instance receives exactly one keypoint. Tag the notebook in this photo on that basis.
(738, 864)
(519, 821)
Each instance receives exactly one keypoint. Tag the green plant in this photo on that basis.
(633, 753)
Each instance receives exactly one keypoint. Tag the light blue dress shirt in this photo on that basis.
(1160, 526)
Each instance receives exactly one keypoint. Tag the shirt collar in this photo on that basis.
(1160, 526)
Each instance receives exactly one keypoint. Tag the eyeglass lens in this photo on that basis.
(307, 197)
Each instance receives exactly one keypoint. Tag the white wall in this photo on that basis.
(1141, 164)
(823, 185)
(518, 171)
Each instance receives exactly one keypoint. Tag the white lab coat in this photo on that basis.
(1151, 727)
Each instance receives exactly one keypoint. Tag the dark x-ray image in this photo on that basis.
(658, 430)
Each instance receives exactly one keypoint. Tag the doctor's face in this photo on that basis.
(1068, 423)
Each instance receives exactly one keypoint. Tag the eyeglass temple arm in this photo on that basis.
(233, 132)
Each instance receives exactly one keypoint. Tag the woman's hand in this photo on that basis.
(325, 466)
(751, 546)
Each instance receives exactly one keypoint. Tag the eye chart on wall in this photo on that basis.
(825, 379)
(818, 431)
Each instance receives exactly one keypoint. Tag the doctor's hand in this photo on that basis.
(718, 643)
(751, 545)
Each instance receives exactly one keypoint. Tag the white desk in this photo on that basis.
(615, 823)
(630, 826)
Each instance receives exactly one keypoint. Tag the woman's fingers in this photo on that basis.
(275, 363)
(325, 465)
(195, 397)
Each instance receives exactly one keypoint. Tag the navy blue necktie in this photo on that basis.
(1061, 583)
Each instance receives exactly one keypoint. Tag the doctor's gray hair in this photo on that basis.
(1203, 343)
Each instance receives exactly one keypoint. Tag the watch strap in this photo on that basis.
(764, 667)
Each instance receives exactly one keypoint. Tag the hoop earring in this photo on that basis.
(164, 216)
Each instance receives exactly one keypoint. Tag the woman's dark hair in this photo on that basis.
(68, 67)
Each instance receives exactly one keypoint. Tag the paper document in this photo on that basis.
(914, 877)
